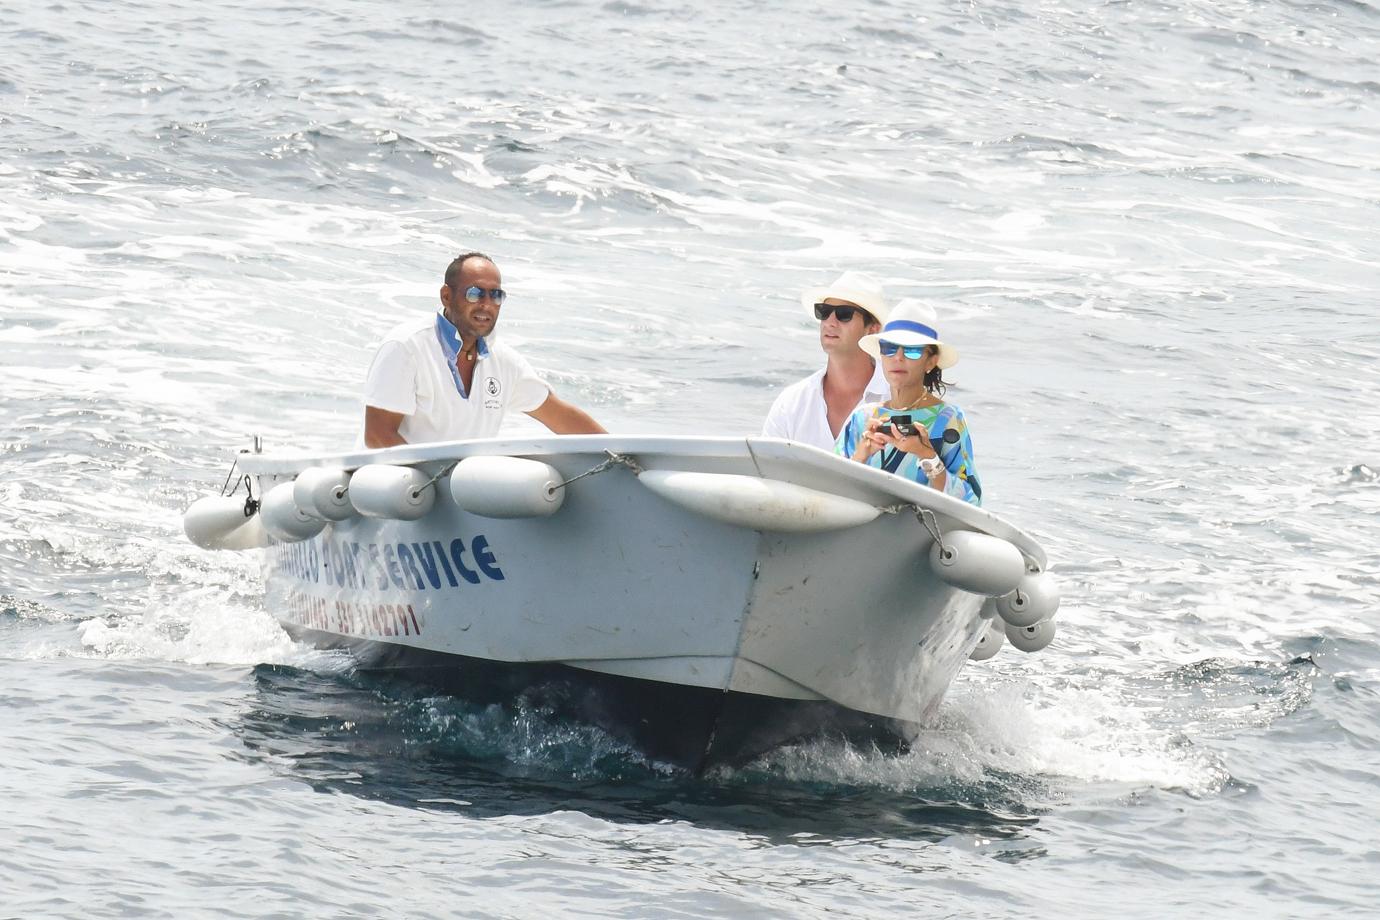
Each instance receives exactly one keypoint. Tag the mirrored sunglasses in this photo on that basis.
(845, 314)
(474, 294)
(913, 352)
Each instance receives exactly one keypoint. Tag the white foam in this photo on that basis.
(201, 627)
(988, 734)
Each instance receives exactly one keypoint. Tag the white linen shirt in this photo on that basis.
(800, 413)
(411, 375)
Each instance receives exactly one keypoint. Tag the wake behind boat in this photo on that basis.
(706, 599)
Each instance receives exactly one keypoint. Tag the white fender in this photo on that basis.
(1031, 638)
(993, 638)
(284, 520)
(399, 493)
(978, 563)
(219, 522)
(758, 504)
(506, 487)
(1036, 598)
(324, 492)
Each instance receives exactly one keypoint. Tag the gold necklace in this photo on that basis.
(917, 404)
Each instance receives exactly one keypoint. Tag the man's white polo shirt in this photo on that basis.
(801, 414)
(413, 374)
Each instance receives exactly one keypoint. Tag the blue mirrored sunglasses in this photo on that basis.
(913, 352)
(474, 294)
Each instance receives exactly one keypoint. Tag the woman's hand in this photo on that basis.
(873, 439)
(917, 444)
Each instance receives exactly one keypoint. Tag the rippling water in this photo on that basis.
(1151, 229)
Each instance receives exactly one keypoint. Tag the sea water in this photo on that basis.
(1150, 228)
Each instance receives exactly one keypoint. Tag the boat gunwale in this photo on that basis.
(879, 487)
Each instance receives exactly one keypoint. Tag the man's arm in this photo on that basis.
(563, 418)
(381, 427)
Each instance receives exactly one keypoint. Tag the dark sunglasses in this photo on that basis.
(913, 352)
(474, 294)
(845, 314)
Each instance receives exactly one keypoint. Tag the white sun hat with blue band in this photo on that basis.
(912, 322)
(855, 287)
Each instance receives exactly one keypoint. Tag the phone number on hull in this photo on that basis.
(353, 618)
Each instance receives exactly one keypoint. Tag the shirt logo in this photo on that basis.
(491, 391)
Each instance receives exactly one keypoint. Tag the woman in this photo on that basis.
(934, 449)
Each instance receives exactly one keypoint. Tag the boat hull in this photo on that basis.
(699, 641)
(687, 727)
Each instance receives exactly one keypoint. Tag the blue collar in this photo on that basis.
(450, 347)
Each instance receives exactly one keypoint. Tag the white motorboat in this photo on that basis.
(704, 598)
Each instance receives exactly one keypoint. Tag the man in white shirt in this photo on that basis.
(443, 378)
(814, 410)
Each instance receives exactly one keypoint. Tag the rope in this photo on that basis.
(924, 516)
(432, 481)
(233, 463)
(612, 461)
(251, 504)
